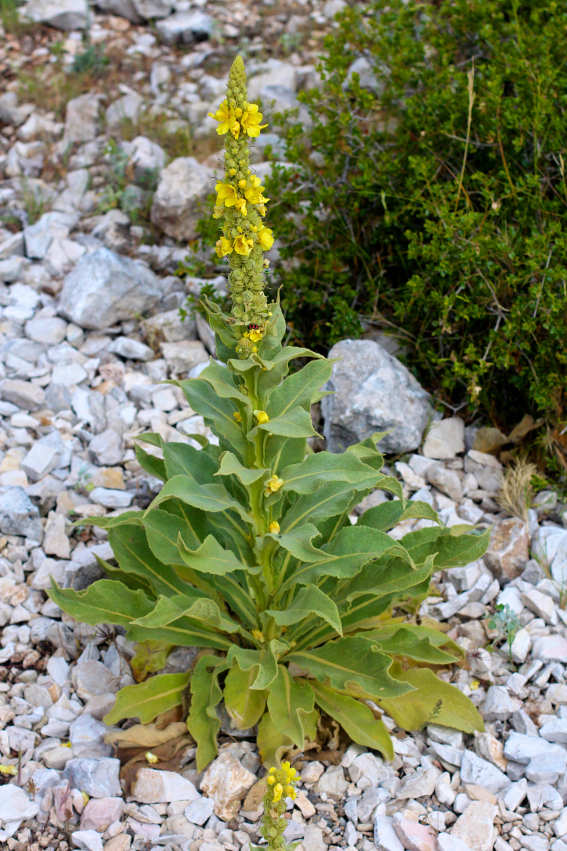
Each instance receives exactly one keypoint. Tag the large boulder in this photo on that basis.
(178, 203)
(122, 8)
(61, 14)
(105, 288)
(373, 391)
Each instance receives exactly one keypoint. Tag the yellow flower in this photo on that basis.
(226, 118)
(270, 779)
(254, 190)
(290, 792)
(274, 527)
(8, 770)
(240, 205)
(243, 245)
(255, 335)
(226, 195)
(151, 758)
(258, 635)
(236, 416)
(223, 246)
(262, 210)
(262, 417)
(273, 485)
(278, 791)
(251, 118)
(265, 238)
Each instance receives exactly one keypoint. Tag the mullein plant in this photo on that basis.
(248, 551)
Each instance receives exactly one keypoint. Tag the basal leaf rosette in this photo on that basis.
(248, 551)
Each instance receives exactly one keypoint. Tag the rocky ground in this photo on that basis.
(104, 168)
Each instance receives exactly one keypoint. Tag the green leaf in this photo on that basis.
(325, 501)
(289, 701)
(150, 656)
(456, 549)
(272, 743)
(433, 701)
(231, 466)
(396, 576)
(105, 601)
(263, 662)
(183, 632)
(410, 644)
(216, 412)
(211, 557)
(129, 579)
(244, 704)
(149, 699)
(221, 380)
(347, 554)
(208, 497)
(203, 722)
(294, 423)
(197, 464)
(163, 530)
(301, 389)
(324, 467)
(309, 602)
(351, 664)
(192, 604)
(298, 542)
(355, 718)
(133, 554)
(150, 463)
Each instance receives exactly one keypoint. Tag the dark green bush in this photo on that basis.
(432, 198)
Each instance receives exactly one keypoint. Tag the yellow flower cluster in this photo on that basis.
(238, 118)
(241, 203)
(281, 782)
(273, 485)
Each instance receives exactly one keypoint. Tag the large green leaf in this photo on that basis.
(183, 632)
(309, 602)
(388, 514)
(151, 463)
(355, 718)
(208, 497)
(393, 577)
(263, 662)
(133, 554)
(433, 634)
(410, 644)
(163, 530)
(244, 704)
(294, 423)
(324, 501)
(211, 557)
(433, 701)
(149, 699)
(352, 664)
(221, 380)
(105, 601)
(203, 722)
(346, 555)
(192, 604)
(272, 743)
(216, 411)
(182, 458)
(289, 701)
(457, 549)
(324, 467)
(231, 466)
(298, 542)
(301, 389)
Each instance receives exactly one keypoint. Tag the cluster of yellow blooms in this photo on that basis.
(242, 205)
(280, 782)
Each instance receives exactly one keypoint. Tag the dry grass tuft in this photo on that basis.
(516, 494)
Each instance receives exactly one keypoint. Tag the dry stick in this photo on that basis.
(470, 87)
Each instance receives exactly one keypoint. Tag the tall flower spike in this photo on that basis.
(241, 206)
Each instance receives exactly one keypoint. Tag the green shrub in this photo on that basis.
(248, 550)
(436, 201)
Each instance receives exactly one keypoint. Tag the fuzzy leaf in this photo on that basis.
(183, 632)
(355, 718)
(388, 514)
(350, 664)
(263, 662)
(133, 554)
(322, 468)
(309, 602)
(149, 699)
(181, 458)
(203, 722)
(210, 557)
(216, 412)
(244, 704)
(272, 744)
(289, 701)
(301, 389)
(192, 604)
(163, 530)
(150, 656)
(151, 463)
(433, 701)
(294, 423)
(208, 497)
(409, 643)
(298, 542)
(221, 380)
(105, 601)
(231, 466)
